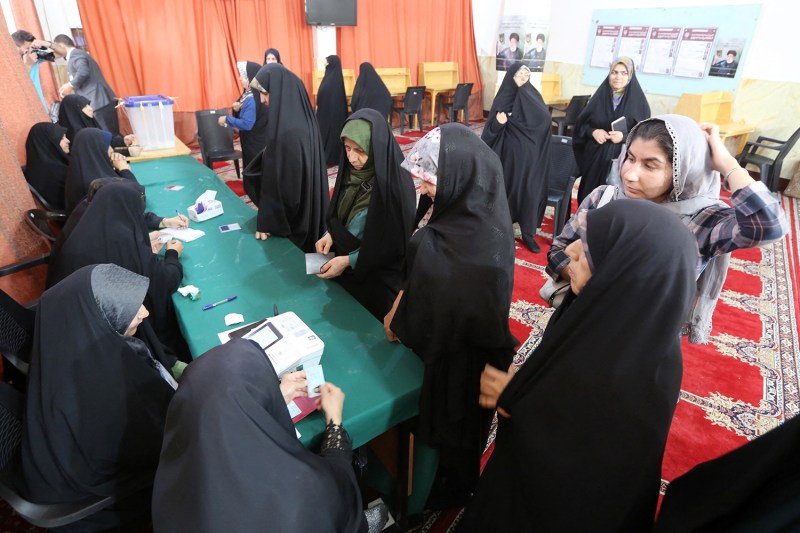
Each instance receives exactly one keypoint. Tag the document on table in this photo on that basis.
(185, 235)
(315, 261)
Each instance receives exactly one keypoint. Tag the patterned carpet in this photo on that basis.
(740, 385)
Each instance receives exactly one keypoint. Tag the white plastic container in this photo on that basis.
(152, 121)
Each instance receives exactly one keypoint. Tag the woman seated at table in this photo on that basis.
(47, 151)
(92, 158)
(76, 113)
(673, 161)
(113, 230)
(593, 141)
(332, 108)
(371, 92)
(97, 398)
(288, 182)
(249, 115)
(371, 214)
(583, 424)
(453, 309)
(518, 131)
(231, 460)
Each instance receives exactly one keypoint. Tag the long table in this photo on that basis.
(381, 380)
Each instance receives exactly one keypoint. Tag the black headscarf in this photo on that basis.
(47, 164)
(231, 459)
(454, 312)
(371, 92)
(591, 407)
(332, 109)
(753, 488)
(595, 159)
(274, 52)
(96, 405)
(288, 182)
(523, 145)
(113, 230)
(88, 161)
(72, 117)
(255, 139)
(390, 219)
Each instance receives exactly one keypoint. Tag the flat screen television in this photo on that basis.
(331, 12)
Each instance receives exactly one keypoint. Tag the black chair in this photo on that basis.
(770, 167)
(412, 106)
(455, 103)
(216, 142)
(561, 179)
(567, 122)
(46, 223)
(16, 333)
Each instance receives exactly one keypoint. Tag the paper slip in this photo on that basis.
(230, 227)
(233, 318)
(189, 290)
(185, 235)
(315, 261)
(293, 409)
(174, 187)
(315, 380)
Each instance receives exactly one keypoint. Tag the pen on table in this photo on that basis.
(183, 226)
(275, 309)
(212, 306)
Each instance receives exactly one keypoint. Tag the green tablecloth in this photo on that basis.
(381, 380)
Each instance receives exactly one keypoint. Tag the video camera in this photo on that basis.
(45, 54)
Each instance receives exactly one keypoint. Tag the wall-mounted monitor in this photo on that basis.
(331, 12)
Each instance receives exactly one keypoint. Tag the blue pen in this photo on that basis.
(212, 306)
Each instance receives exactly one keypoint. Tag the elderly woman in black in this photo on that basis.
(371, 214)
(47, 150)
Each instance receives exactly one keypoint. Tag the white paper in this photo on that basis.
(315, 379)
(233, 318)
(205, 199)
(189, 289)
(605, 45)
(298, 433)
(293, 409)
(174, 187)
(185, 235)
(315, 261)
(661, 50)
(694, 52)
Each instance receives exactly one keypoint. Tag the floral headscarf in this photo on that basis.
(423, 159)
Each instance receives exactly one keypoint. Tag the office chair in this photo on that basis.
(216, 142)
(456, 103)
(562, 175)
(567, 122)
(412, 105)
(16, 332)
(770, 167)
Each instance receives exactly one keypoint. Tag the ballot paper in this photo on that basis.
(233, 318)
(185, 235)
(315, 379)
(315, 261)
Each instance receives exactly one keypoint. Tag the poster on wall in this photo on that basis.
(726, 57)
(521, 39)
(633, 43)
(605, 45)
(661, 50)
(694, 52)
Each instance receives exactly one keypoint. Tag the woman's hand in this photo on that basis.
(236, 106)
(155, 241)
(175, 245)
(323, 246)
(262, 235)
(615, 136)
(334, 267)
(294, 385)
(501, 117)
(119, 162)
(130, 140)
(600, 136)
(332, 403)
(222, 121)
(723, 161)
(387, 320)
(176, 222)
(493, 383)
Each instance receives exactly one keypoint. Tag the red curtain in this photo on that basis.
(188, 48)
(404, 33)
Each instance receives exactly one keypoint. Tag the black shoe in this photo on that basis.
(531, 243)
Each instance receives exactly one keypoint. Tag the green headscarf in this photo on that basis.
(360, 132)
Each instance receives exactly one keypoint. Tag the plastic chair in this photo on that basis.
(16, 332)
(576, 105)
(45, 222)
(770, 167)
(216, 142)
(562, 176)
(412, 105)
(456, 103)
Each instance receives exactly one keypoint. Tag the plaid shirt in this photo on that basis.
(755, 219)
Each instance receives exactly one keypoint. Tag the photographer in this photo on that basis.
(33, 53)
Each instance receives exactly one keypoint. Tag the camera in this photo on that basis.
(44, 54)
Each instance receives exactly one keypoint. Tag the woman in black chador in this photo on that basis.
(371, 92)
(518, 131)
(332, 109)
(288, 181)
